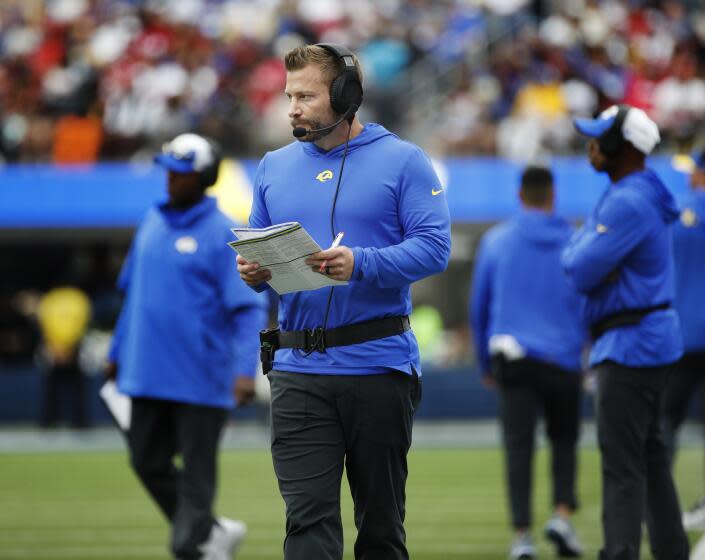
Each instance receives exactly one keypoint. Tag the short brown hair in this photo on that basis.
(332, 67)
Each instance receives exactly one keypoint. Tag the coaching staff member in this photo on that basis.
(345, 380)
(688, 378)
(529, 335)
(622, 260)
(187, 335)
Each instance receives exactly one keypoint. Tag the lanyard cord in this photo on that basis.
(319, 341)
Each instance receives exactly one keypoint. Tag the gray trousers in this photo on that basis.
(636, 475)
(321, 423)
(687, 379)
(160, 430)
(528, 387)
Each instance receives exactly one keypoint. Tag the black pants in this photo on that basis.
(687, 379)
(160, 430)
(64, 384)
(526, 387)
(320, 422)
(635, 467)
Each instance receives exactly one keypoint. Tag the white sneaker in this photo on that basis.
(522, 548)
(225, 539)
(561, 533)
(694, 518)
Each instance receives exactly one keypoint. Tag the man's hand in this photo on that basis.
(110, 372)
(337, 263)
(244, 391)
(251, 273)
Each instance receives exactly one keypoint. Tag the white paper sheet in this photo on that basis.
(283, 249)
(119, 404)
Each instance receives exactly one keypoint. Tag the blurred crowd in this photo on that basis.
(579, 58)
(82, 80)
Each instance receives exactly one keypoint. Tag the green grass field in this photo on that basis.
(88, 505)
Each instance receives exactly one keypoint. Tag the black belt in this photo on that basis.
(626, 318)
(310, 340)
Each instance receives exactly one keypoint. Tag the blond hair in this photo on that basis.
(331, 66)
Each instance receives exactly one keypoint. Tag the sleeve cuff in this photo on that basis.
(358, 255)
(260, 287)
(113, 353)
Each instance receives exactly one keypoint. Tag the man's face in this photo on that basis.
(184, 189)
(598, 160)
(309, 101)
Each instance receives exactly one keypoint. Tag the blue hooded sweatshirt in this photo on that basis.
(520, 289)
(689, 254)
(622, 259)
(394, 213)
(189, 324)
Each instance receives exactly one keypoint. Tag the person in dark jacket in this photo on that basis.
(688, 377)
(528, 330)
(185, 343)
(622, 260)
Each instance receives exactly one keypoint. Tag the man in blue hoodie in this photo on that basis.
(346, 372)
(527, 324)
(185, 343)
(622, 260)
(689, 375)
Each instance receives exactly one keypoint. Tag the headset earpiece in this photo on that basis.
(209, 175)
(611, 141)
(345, 89)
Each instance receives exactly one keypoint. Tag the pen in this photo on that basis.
(336, 242)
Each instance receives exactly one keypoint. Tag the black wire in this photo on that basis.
(319, 341)
(337, 186)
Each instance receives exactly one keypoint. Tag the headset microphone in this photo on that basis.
(300, 131)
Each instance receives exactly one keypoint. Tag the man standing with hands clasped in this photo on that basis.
(185, 342)
(622, 260)
(346, 379)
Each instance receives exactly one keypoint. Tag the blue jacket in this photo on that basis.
(520, 289)
(622, 258)
(689, 254)
(189, 325)
(395, 218)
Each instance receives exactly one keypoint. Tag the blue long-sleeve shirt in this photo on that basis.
(189, 324)
(689, 255)
(622, 259)
(395, 218)
(519, 289)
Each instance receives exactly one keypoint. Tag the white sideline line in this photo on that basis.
(428, 434)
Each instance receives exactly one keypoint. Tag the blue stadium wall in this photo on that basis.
(117, 195)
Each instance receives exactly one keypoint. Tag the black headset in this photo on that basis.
(209, 175)
(612, 139)
(346, 88)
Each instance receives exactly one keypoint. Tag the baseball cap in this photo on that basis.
(637, 127)
(186, 153)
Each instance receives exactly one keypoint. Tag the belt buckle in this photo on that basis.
(314, 339)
